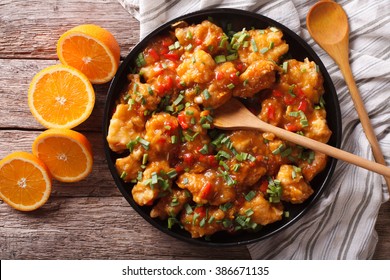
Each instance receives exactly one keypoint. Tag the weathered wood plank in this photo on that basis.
(15, 77)
(32, 30)
(93, 228)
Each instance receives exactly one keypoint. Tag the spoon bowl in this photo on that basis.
(328, 23)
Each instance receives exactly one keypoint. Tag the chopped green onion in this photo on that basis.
(188, 47)
(293, 114)
(251, 158)
(264, 50)
(173, 139)
(154, 178)
(172, 174)
(139, 176)
(274, 29)
(286, 152)
(226, 206)
(285, 67)
(254, 46)
(140, 60)
(249, 212)
(177, 45)
(249, 196)
(271, 45)
(172, 221)
(222, 154)
(220, 58)
(143, 142)
(150, 90)
(131, 145)
(206, 94)
(185, 181)
(222, 163)
(145, 158)
(211, 219)
(227, 223)
(189, 35)
(204, 150)
(278, 150)
(206, 126)
(232, 56)
(123, 175)
(230, 86)
(236, 167)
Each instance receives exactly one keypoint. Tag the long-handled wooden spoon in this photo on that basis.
(234, 115)
(327, 23)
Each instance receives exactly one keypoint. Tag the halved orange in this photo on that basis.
(25, 182)
(66, 153)
(91, 49)
(60, 96)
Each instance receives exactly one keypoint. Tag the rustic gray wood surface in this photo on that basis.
(89, 219)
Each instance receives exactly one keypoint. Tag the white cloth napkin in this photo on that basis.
(341, 224)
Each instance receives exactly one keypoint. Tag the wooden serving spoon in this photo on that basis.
(327, 23)
(234, 115)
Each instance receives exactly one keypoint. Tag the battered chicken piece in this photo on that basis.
(318, 128)
(141, 94)
(305, 76)
(146, 191)
(204, 221)
(264, 212)
(204, 36)
(268, 43)
(196, 68)
(125, 125)
(128, 167)
(258, 76)
(218, 89)
(311, 169)
(170, 205)
(272, 111)
(208, 187)
(159, 131)
(295, 188)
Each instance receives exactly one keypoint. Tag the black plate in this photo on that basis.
(299, 50)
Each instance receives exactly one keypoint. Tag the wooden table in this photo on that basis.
(89, 219)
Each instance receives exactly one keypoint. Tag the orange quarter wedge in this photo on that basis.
(25, 182)
(91, 49)
(66, 153)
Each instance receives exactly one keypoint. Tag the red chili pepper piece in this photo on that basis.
(303, 105)
(188, 159)
(277, 93)
(219, 76)
(271, 112)
(153, 53)
(181, 118)
(171, 56)
(292, 127)
(299, 92)
(289, 99)
(264, 186)
(205, 191)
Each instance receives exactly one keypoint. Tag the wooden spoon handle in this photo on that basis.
(363, 116)
(258, 124)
